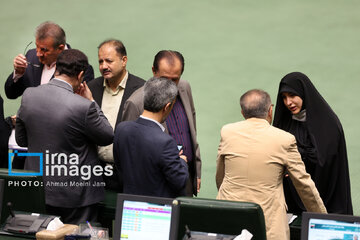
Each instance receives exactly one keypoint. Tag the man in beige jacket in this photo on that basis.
(253, 157)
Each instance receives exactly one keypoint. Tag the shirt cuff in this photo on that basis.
(16, 76)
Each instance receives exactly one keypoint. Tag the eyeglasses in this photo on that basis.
(32, 64)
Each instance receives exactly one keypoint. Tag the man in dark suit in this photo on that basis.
(38, 66)
(147, 158)
(5, 130)
(111, 91)
(181, 123)
(66, 128)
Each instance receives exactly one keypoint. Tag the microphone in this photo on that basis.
(9, 205)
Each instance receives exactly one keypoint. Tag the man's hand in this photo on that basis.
(183, 157)
(198, 184)
(85, 92)
(20, 64)
(13, 120)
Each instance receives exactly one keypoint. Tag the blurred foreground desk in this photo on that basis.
(6, 236)
(295, 229)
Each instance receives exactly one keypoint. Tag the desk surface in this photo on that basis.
(6, 236)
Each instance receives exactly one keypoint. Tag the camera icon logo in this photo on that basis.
(12, 155)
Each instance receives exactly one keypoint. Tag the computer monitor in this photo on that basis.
(316, 226)
(144, 217)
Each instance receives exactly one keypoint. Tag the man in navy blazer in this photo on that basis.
(38, 66)
(147, 158)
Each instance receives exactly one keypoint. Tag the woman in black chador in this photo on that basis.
(302, 111)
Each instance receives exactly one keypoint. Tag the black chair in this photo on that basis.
(26, 193)
(219, 216)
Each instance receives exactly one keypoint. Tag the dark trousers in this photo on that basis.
(75, 215)
(113, 182)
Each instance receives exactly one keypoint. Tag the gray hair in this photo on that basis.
(157, 93)
(255, 103)
(52, 30)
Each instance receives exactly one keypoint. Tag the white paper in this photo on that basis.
(245, 235)
(55, 224)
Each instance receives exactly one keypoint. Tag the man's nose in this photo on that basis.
(103, 66)
(39, 53)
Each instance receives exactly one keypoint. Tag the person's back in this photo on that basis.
(146, 165)
(252, 159)
(254, 168)
(147, 158)
(61, 129)
(64, 127)
(252, 146)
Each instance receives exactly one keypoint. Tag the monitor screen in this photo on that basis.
(330, 226)
(143, 217)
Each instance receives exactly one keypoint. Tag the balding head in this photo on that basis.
(255, 103)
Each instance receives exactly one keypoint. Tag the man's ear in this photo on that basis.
(269, 116)
(124, 58)
(167, 106)
(80, 76)
(61, 47)
(242, 113)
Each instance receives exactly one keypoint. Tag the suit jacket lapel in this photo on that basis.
(38, 72)
(186, 103)
(129, 89)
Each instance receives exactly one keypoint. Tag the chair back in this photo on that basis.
(219, 216)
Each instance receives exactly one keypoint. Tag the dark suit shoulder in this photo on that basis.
(136, 80)
(96, 83)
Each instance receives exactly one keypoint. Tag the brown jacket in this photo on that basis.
(252, 159)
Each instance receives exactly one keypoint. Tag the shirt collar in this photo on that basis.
(64, 82)
(161, 126)
(121, 85)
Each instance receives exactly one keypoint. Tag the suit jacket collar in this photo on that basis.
(148, 123)
(99, 92)
(62, 84)
(258, 121)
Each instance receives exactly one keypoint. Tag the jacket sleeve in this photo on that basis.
(20, 133)
(14, 90)
(98, 128)
(302, 181)
(174, 168)
(131, 111)
(220, 165)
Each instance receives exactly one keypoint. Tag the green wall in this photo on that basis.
(229, 47)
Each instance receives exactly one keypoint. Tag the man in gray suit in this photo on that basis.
(181, 122)
(63, 122)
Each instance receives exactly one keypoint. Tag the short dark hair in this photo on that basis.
(52, 30)
(158, 92)
(255, 103)
(170, 56)
(71, 62)
(117, 44)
